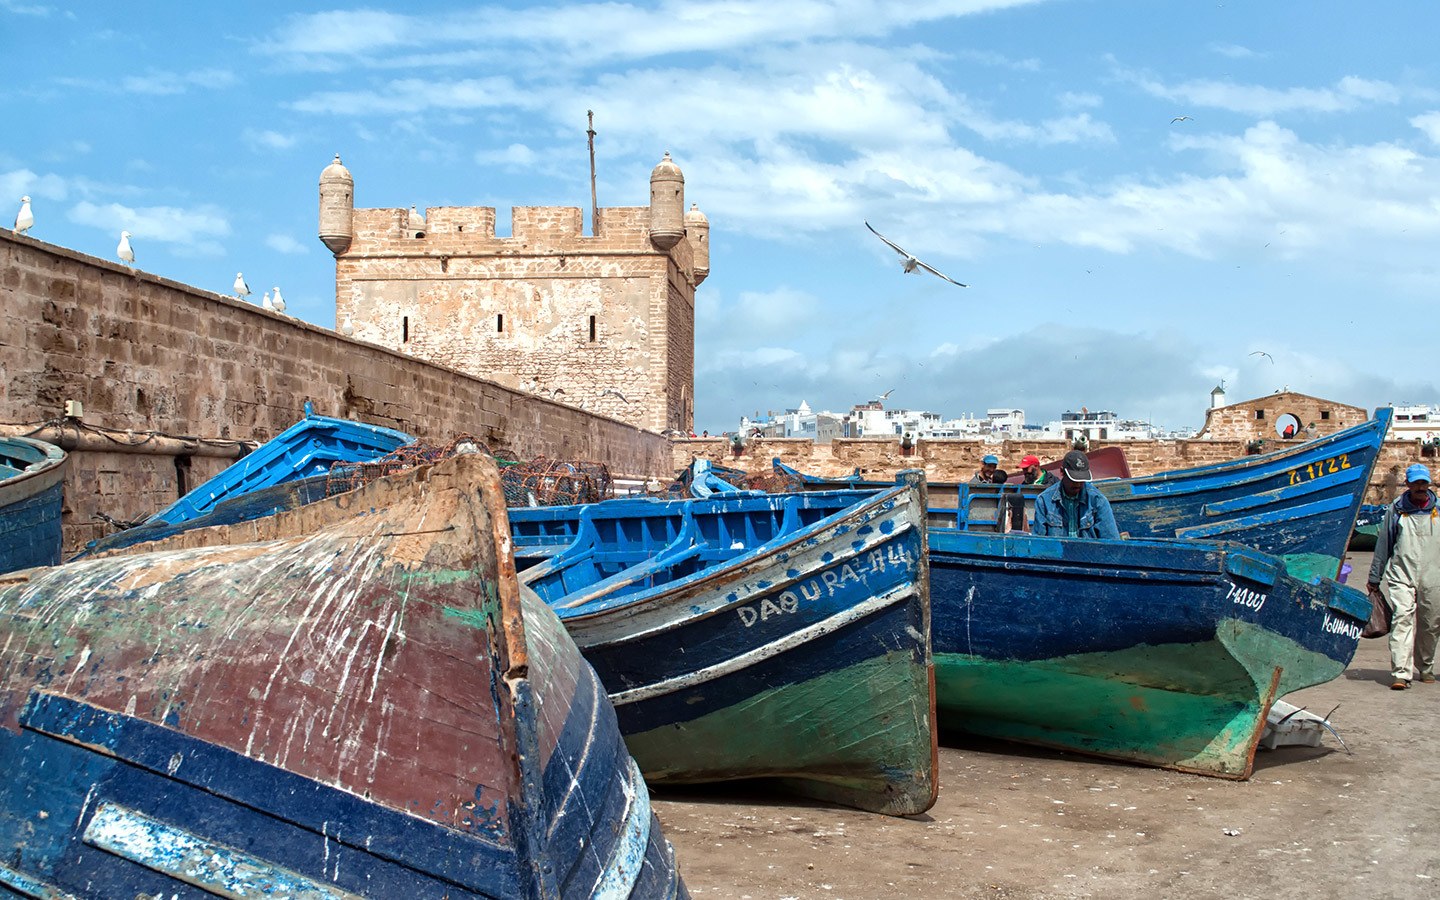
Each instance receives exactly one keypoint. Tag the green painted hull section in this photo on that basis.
(1197, 707)
(1363, 537)
(1309, 566)
(863, 736)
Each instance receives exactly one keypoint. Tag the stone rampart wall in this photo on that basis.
(146, 354)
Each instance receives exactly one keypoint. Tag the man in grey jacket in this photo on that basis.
(1406, 574)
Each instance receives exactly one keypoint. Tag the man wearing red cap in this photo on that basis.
(1030, 468)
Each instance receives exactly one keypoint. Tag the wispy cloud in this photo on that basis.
(157, 82)
(284, 243)
(415, 95)
(15, 7)
(1234, 51)
(1347, 94)
(515, 155)
(590, 32)
(268, 140)
(190, 231)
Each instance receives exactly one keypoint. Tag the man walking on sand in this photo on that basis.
(1406, 574)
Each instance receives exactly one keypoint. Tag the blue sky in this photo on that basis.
(1116, 260)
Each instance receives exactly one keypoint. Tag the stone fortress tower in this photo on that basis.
(605, 322)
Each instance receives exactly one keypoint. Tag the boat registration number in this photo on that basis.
(1323, 467)
(1246, 597)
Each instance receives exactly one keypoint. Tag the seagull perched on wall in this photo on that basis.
(125, 251)
(614, 393)
(347, 327)
(242, 290)
(278, 304)
(911, 263)
(25, 218)
(265, 302)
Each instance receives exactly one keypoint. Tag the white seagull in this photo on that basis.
(614, 393)
(347, 327)
(278, 304)
(1264, 354)
(1181, 119)
(25, 218)
(911, 263)
(242, 290)
(124, 250)
(265, 301)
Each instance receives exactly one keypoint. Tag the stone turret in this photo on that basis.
(337, 207)
(697, 232)
(667, 204)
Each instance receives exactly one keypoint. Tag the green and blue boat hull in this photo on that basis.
(1167, 653)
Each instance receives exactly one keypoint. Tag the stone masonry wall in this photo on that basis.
(547, 309)
(148, 354)
(953, 459)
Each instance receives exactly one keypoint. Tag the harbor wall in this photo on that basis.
(151, 360)
(956, 459)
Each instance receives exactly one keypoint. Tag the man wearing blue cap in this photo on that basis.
(1406, 574)
(986, 473)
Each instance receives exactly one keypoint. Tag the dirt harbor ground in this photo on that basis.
(1014, 822)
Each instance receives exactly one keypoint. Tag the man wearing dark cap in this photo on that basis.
(1406, 574)
(1073, 506)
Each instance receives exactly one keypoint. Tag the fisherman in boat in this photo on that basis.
(1073, 506)
(1406, 573)
(1032, 473)
(986, 473)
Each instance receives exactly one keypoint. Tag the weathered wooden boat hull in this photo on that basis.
(352, 699)
(803, 658)
(1167, 653)
(32, 479)
(1298, 503)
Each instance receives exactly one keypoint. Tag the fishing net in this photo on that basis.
(549, 482)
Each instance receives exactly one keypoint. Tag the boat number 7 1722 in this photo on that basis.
(1323, 467)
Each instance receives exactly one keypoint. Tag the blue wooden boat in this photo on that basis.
(351, 699)
(307, 448)
(1298, 503)
(755, 636)
(1367, 526)
(32, 478)
(1168, 653)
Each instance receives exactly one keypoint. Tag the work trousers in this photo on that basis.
(1414, 627)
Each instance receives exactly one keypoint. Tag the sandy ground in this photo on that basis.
(1017, 822)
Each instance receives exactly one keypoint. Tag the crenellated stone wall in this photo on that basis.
(146, 354)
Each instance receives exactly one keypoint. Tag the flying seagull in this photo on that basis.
(1264, 354)
(1181, 119)
(614, 393)
(242, 290)
(911, 263)
(886, 395)
(278, 304)
(25, 218)
(124, 250)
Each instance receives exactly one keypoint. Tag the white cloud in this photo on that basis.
(191, 231)
(284, 243)
(1429, 123)
(1347, 94)
(998, 60)
(415, 95)
(19, 182)
(515, 155)
(1235, 51)
(589, 32)
(159, 82)
(17, 8)
(268, 140)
